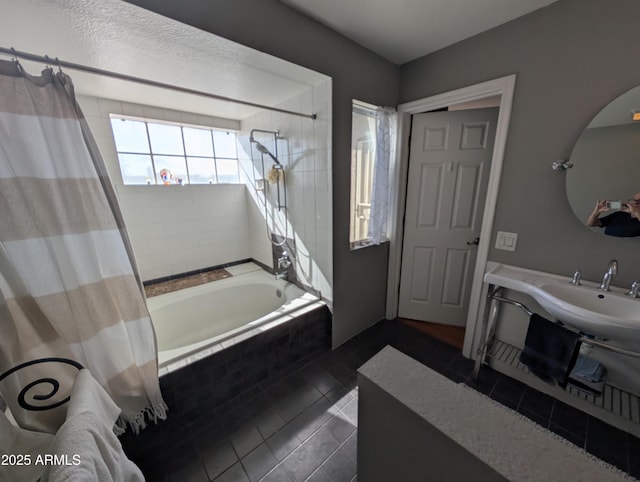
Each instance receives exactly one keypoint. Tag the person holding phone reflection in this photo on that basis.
(624, 222)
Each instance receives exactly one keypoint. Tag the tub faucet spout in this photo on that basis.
(284, 262)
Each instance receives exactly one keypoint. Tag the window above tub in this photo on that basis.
(164, 153)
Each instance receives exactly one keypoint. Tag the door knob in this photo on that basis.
(475, 241)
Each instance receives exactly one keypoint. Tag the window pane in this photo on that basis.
(176, 167)
(227, 170)
(225, 144)
(165, 139)
(362, 163)
(197, 142)
(136, 169)
(130, 136)
(149, 150)
(201, 171)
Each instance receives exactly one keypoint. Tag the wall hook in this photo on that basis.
(561, 165)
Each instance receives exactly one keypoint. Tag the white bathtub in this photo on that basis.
(196, 322)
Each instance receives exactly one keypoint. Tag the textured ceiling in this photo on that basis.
(403, 30)
(120, 37)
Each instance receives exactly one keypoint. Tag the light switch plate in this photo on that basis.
(506, 241)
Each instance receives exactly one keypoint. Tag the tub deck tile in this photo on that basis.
(164, 287)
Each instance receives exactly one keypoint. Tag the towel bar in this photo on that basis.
(513, 302)
(585, 339)
(615, 405)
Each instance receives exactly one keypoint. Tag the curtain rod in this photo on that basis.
(93, 70)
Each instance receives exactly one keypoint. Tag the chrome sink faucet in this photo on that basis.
(577, 278)
(612, 269)
(634, 290)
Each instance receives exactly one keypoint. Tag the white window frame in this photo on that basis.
(359, 177)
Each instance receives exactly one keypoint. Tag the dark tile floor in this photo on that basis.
(301, 425)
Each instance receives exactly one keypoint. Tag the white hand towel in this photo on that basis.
(88, 395)
(19, 443)
(87, 449)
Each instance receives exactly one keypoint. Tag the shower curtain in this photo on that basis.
(68, 283)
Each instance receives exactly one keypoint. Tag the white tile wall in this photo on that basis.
(305, 152)
(175, 229)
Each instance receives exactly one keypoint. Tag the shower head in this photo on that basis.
(262, 149)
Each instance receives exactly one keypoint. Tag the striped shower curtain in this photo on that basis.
(68, 283)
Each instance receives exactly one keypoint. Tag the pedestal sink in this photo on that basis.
(606, 314)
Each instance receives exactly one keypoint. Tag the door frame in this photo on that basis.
(503, 86)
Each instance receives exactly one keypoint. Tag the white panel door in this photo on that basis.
(449, 160)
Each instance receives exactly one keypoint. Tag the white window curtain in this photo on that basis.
(380, 194)
(69, 287)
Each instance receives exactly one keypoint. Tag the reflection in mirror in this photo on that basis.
(603, 187)
(618, 218)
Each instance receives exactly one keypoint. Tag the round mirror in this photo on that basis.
(604, 183)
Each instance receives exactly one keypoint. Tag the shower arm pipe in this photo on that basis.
(274, 133)
(278, 166)
(286, 214)
(284, 190)
(107, 73)
(276, 136)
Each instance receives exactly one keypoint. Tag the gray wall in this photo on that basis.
(571, 59)
(359, 277)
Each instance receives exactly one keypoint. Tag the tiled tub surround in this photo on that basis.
(201, 392)
(180, 228)
(304, 148)
(202, 320)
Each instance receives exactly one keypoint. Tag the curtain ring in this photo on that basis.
(58, 64)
